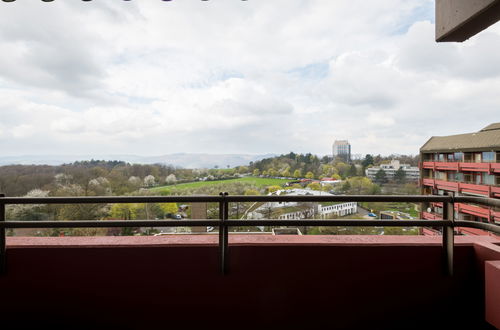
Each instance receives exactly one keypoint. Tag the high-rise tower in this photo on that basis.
(342, 149)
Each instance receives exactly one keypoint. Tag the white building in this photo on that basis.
(412, 172)
(340, 209)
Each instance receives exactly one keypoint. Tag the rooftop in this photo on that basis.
(486, 139)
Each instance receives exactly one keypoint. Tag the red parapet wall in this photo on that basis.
(495, 192)
(443, 166)
(496, 216)
(488, 260)
(462, 167)
(446, 185)
(475, 189)
(495, 167)
(431, 216)
(473, 210)
(428, 165)
(475, 167)
(428, 182)
(293, 282)
(492, 292)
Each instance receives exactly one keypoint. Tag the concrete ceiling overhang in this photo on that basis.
(459, 20)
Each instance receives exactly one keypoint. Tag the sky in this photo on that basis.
(148, 77)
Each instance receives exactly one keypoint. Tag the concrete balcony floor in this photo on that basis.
(291, 282)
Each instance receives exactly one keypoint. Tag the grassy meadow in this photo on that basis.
(247, 182)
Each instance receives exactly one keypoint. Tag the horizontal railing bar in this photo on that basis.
(212, 199)
(216, 223)
(479, 225)
(342, 223)
(208, 199)
(341, 198)
(240, 198)
(109, 199)
(109, 223)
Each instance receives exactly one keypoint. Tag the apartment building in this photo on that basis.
(464, 164)
(412, 173)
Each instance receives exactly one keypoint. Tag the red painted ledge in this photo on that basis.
(241, 240)
(492, 292)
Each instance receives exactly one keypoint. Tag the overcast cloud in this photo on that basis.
(226, 76)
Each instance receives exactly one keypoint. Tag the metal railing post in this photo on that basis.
(223, 233)
(3, 247)
(448, 237)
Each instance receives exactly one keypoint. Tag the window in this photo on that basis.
(440, 175)
(467, 177)
(450, 157)
(488, 179)
(489, 157)
(458, 156)
(477, 157)
(497, 180)
(459, 177)
(477, 178)
(441, 157)
(468, 157)
(451, 176)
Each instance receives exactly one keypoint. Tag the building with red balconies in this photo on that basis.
(462, 165)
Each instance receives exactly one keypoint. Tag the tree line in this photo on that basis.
(312, 167)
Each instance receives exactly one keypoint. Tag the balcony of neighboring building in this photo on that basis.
(479, 184)
(488, 162)
(463, 211)
(431, 215)
(462, 167)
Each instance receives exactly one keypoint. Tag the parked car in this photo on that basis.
(372, 215)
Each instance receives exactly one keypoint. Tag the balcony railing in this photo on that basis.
(431, 216)
(224, 222)
(463, 187)
(462, 166)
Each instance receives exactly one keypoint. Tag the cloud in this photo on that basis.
(155, 77)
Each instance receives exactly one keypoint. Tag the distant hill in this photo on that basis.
(185, 160)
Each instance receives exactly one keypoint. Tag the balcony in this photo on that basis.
(471, 188)
(475, 189)
(431, 216)
(446, 185)
(474, 210)
(495, 216)
(492, 168)
(475, 167)
(495, 192)
(437, 204)
(428, 182)
(297, 282)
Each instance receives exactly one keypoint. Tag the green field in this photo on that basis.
(258, 182)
